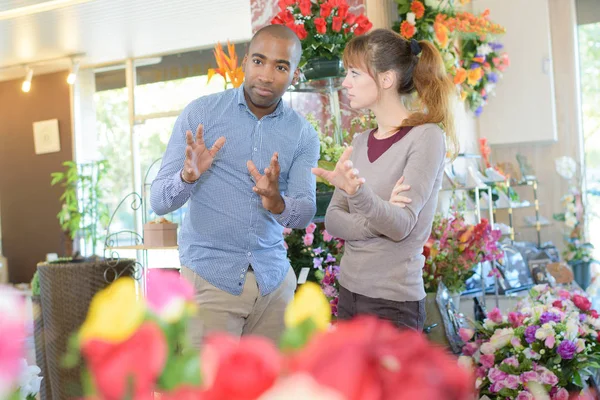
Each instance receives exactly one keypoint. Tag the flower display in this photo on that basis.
(468, 44)
(227, 66)
(323, 26)
(12, 339)
(550, 340)
(455, 247)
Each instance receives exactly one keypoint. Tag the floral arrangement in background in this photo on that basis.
(227, 66)
(549, 343)
(318, 253)
(467, 42)
(455, 247)
(18, 381)
(139, 356)
(323, 26)
(577, 249)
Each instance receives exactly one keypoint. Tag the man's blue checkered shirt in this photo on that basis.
(226, 227)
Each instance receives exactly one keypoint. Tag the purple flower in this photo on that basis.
(530, 333)
(566, 349)
(330, 258)
(318, 251)
(475, 66)
(549, 316)
(478, 111)
(492, 77)
(495, 375)
(582, 317)
(330, 291)
(317, 262)
(496, 46)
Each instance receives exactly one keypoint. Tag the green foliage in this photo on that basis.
(83, 211)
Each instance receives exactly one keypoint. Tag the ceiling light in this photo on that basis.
(26, 86)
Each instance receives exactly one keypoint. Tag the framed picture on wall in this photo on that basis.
(46, 136)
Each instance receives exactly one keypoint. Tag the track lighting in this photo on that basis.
(26, 86)
(73, 74)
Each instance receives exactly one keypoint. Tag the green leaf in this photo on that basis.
(577, 379)
(181, 370)
(296, 337)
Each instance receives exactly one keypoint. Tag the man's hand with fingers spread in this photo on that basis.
(267, 185)
(344, 176)
(198, 158)
(396, 199)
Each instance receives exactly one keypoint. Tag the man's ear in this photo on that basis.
(244, 63)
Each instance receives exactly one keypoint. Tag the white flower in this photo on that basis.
(545, 331)
(300, 387)
(566, 167)
(29, 381)
(487, 348)
(465, 362)
(484, 49)
(530, 354)
(502, 338)
(489, 324)
(411, 18)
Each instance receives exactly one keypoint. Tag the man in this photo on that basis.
(246, 175)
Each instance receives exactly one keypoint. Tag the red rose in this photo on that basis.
(283, 4)
(305, 6)
(350, 19)
(301, 31)
(343, 10)
(581, 302)
(363, 25)
(378, 361)
(325, 10)
(321, 25)
(336, 24)
(239, 369)
(138, 361)
(557, 304)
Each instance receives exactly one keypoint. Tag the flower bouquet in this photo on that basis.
(548, 344)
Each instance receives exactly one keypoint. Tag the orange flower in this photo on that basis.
(474, 76)
(227, 66)
(407, 30)
(441, 34)
(418, 8)
(461, 76)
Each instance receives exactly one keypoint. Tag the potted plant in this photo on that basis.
(324, 28)
(82, 210)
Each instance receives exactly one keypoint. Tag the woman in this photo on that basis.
(381, 270)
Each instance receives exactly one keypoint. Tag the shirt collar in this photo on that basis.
(242, 101)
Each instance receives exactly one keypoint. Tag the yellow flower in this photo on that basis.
(115, 313)
(463, 95)
(309, 302)
(474, 76)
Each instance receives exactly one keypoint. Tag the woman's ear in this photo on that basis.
(387, 79)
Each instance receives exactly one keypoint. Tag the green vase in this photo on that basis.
(581, 273)
(321, 68)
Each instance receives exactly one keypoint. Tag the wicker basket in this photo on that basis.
(40, 351)
(66, 291)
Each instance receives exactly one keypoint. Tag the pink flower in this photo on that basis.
(583, 303)
(12, 337)
(516, 319)
(557, 304)
(512, 382)
(495, 375)
(168, 294)
(550, 341)
(470, 348)
(308, 239)
(287, 231)
(547, 377)
(524, 396)
(495, 315)
(561, 394)
(311, 228)
(326, 236)
(466, 334)
(529, 376)
(564, 294)
(511, 361)
(487, 360)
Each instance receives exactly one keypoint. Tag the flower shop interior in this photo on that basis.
(90, 91)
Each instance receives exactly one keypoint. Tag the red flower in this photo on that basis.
(305, 6)
(321, 25)
(376, 363)
(557, 304)
(343, 10)
(301, 31)
(239, 369)
(593, 313)
(283, 4)
(325, 10)
(407, 30)
(137, 361)
(582, 302)
(336, 25)
(350, 19)
(418, 8)
(363, 25)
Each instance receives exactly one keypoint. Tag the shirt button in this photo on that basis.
(255, 149)
(249, 253)
(242, 276)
